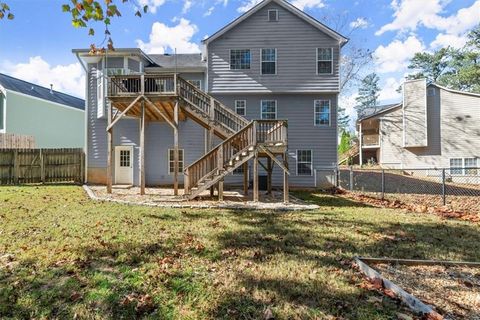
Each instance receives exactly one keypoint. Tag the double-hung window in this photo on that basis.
(171, 161)
(240, 59)
(304, 162)
(268, 109)
(241, 107)
(464, 166)
(322, 112)
(324, 60)
(269, 61)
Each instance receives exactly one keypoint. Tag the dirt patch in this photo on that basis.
(466, 208)
(453, 290)
(164, 197)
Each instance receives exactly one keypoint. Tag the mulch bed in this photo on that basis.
(420, 204)
(453, 290)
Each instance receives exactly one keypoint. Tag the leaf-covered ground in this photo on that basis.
(64, 256)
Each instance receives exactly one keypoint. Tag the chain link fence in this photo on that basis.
(457, 188)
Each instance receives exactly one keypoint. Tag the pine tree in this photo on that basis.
(368, 93)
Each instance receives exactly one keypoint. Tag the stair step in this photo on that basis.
(251, 149)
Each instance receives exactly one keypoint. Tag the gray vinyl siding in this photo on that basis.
(296, 42)
(453, 132)
(302, 134)
(415, 114)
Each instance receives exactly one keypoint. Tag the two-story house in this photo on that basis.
(432, 127)
(223, 110)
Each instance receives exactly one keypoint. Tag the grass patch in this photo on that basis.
(63, 255)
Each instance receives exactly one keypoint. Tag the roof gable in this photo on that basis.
(30, 89)
(287, 6)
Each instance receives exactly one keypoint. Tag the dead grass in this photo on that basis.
(64, 256)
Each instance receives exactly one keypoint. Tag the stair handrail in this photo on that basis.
(214, 153)
(238, 119)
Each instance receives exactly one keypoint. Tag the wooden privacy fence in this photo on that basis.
(15, 141)
(23, 166)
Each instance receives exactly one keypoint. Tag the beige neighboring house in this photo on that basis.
(434, 127)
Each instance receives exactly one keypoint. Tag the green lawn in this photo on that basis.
(64, 256)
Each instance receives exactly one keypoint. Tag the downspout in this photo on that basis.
(85, 147)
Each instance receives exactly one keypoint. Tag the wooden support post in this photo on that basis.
(220, 190)
(142, 149)
(109, 149)
(245, 178)
(255, 177)
(285, 181)
(269, 175)
(360, 144)
(175, 150)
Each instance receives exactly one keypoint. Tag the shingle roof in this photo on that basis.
(370, 112)
(37, 91)
(188, 60)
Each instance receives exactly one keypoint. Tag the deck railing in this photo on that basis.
(255, 133)
(369, 140)
(173, 85)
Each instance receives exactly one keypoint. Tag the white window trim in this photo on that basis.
(172, 160)
(463, 167)
(329, 113)
(230, 60)
(317, 61)
(268, 15)
(261, 113)
(296, 162)
(244, 107)
(276, 62)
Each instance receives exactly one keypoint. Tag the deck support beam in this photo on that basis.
(285, 180)
(269, 175)
(245, 178)
(109, 149)
(142, 149)
(176, 164)
(255, 177)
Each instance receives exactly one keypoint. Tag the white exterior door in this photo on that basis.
(124, 165)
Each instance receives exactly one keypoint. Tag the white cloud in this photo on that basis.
(359, 23)
(308, 4)
(163, 38)
(187, 5)
(247, 5)
(300, 4)
(209, 11)
(409, 14)
(64, 78)
(444, 40)
(152, 4)
(389, 91)
(395, 56)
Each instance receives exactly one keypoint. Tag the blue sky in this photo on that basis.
(41, 37)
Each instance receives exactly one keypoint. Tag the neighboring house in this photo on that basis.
(52, 118)
(433, 127)
(273, 62)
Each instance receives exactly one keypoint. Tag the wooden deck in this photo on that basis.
(169, 98)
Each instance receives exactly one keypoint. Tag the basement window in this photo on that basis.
(273, 15)
(171, 161)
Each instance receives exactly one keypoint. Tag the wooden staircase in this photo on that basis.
(159, 94)
(267, 137)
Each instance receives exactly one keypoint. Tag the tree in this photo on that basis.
(5, 11)
(345, 142)
(368, 93)
(343, 119)
(430, 65)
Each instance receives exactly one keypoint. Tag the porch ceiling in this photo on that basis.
(152, 112)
